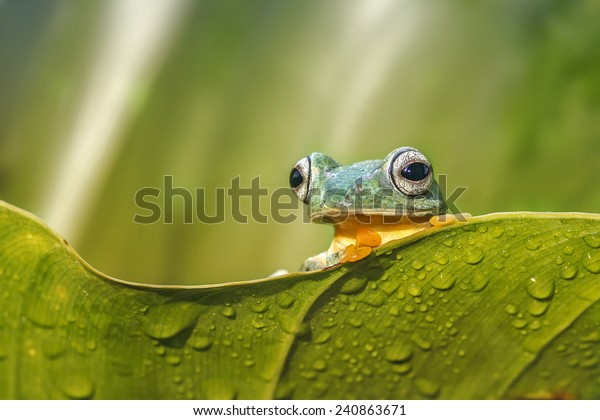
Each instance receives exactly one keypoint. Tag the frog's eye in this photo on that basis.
(411, 172)
(300, 178)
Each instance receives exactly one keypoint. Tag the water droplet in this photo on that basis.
(249, 363)
(394, 310)
(289, 324)
(440, 258)
(53, 346)
(592, 240)
(510, 309)
(519, 323)
(414, 290)
(474, 256)
(540, 288)
(409, 308)
(168, 320)
(75, 384)
(323, 337)
(427, 388)
(329, 323)
(568, 250)
(417, 264)
(353, 285)
(479, 282)
(320, 365)
(422, 343)
(173, 359)
(200, 342)
(398, 352)
(285, 300)
(592, 337)
(537, 308)
(402, 369)
(258, 324)
(443, 281)
(449, 242)
(533, 244)
(228, 312)
(568, 271)
(374, 298)
(591, 262)
(355, 322)
(260, 307)
(497, 232)
(589, 363)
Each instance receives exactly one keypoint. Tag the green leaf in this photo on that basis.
(505, 306)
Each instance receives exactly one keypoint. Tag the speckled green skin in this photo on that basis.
(363, 188)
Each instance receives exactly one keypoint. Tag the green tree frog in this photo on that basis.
(368, 203)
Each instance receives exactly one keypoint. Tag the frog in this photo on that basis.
(368, 203)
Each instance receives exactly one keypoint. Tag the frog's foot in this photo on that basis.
(318, 262)
(449, 219)
(354, 253)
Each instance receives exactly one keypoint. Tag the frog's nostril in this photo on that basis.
(415, 171)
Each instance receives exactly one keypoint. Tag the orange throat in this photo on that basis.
(357, 236)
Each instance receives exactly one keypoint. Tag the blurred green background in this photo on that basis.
(99, 99)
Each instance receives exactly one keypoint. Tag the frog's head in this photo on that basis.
(400, 185)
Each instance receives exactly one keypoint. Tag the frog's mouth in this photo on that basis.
(387, 227)
(375, 217)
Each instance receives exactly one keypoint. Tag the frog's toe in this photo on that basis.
(354, 253)
(318, 262)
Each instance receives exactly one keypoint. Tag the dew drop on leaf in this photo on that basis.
(443, 281)
(398, 352)
(568, 271)
(414, 290)
(417, 264)
(540, 288)
(260, 307)
(285, 300)
(427, 388)
(449, 242)
(519, 323)
(591, 262)
(402, 368)
(228, 312)
(538, 308)
(533, 244)
(320, 365)
(322, 337)
(353, 285)
(592, 240)
(497, 232)
(200, 342)
(173, 359)
(474, 256)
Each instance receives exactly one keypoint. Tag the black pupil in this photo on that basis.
(416, 171)
(296, 178)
